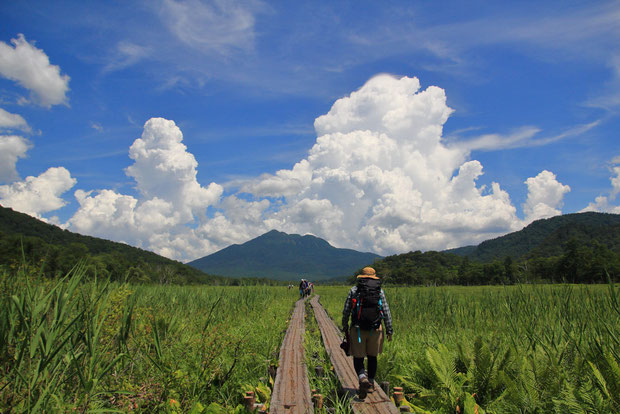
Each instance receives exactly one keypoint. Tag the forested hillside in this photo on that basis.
(24, 239)
(575, 248)
(545, 237)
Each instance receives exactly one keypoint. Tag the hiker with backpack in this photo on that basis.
(367, 306)
(302, 288)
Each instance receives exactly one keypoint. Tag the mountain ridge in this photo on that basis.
(543, 237)
(284, 256)
(23, 236)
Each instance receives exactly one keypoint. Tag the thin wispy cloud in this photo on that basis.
(96, 126)
(220, 26)
(523, 137)
(125, 55)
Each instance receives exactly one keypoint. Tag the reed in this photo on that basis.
(79, 344)
(524, 348)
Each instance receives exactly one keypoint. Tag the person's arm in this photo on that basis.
(346, 312)
(387, 316)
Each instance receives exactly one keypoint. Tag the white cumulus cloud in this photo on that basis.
(171, 200)
(12, 147)
(380, 177)
(544, 198)
(31, 68)
(9, 121)
(605, 203)
(38, 195)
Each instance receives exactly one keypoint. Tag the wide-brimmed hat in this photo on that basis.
(369, 272)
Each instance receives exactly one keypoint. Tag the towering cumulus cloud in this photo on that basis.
(170, 197)
(380, 178)
(544, 197)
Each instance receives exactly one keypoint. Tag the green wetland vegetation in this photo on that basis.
(73, 345)
(78, 345)
(513, 349)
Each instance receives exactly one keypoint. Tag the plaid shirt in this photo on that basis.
(348, 304)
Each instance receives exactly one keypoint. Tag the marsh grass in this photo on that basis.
(94, 346)
(521, 349)
(79, 344)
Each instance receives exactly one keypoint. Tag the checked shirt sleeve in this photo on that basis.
(346, 312)
(387, 315)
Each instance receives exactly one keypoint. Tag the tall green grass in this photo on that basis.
(94, 346)
(521, 349)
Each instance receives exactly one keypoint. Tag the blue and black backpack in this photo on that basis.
(367, 309)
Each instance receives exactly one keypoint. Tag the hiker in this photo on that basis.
(367, 307)
(302, 288)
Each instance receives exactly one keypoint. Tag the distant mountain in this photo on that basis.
(282, 256)
(546, 237)
(59, 250)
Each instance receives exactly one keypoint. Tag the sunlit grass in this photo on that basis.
(518, 348)
(77, 345)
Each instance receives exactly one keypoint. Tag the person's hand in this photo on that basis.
(389, 337)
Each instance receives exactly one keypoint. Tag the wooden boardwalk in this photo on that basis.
(376, 402)
(291, 390)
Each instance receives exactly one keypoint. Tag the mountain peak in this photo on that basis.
(283, 256)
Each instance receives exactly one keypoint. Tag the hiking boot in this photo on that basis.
(364, 387)
(371, 387)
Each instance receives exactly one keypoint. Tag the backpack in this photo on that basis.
(367, 311)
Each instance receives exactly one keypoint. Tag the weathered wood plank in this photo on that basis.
(291, 390)
(376, 402)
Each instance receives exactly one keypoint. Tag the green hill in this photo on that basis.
(58, 250)
(282, 256)
(417, 268)
(546, 237)
(579, 248)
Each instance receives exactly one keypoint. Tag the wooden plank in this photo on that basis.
(376, 402)
(291, 390)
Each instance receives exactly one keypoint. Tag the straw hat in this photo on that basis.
(369, 272)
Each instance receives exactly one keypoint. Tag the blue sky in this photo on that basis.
(379, 126)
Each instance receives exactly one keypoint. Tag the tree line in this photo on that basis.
(578, 262)
(124, 263)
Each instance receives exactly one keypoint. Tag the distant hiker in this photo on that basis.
(302, 288)
(367, 306)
